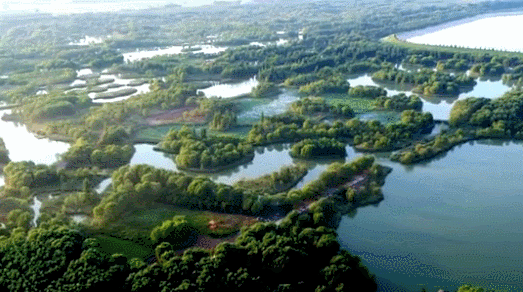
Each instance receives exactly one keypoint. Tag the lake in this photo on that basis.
(448, 222)
(491, 31)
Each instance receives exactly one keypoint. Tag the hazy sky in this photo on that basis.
(75, 6)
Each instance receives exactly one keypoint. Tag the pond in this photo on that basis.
(444, 223)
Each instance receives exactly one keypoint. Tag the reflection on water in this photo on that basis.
(230, 90)
(464, 33)
(23, 145)
(439, 107)
(174, 50)
(266, 160)
(146, 155)
(268, 107)
(453, 220)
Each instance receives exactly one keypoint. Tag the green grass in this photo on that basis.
(154, 133)
(158, 132)
(112, 245)
(144, 221)
(358, 104)
(393, 39)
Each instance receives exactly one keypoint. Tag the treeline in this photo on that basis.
(366, 135)
(22, 177)
(425, 150)
(426, 81)
(54, 105)
(223, 120)
(265, 89)
(207, 153)
(498, 118)
(273, 183)
(333, 183)
(82, 153)
(140, 186)
(314, 148)
(331, 84)
(265, 257)
(4, 153)
(399, 102)
(317, 105)
(367, 91)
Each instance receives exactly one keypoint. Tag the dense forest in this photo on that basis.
(144, 232)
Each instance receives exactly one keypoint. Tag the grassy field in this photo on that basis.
(156, 133)
(358, 104)
(112, 245)
(393, 39)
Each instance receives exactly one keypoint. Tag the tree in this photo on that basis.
(176, 231)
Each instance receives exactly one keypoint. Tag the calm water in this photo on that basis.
(266, 160)
(174, 50)
(228, 90)
(437, 106)
(23, 145)
(451, 221)
(480, 32)
(253, 108)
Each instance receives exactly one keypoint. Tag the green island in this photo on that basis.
(258, 132)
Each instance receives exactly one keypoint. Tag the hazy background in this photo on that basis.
(79, 6)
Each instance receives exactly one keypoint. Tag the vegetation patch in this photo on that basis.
(116, 93)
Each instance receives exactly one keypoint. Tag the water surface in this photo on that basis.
(447, 222)
(439, 107)
(229, 90)
(483, 32)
